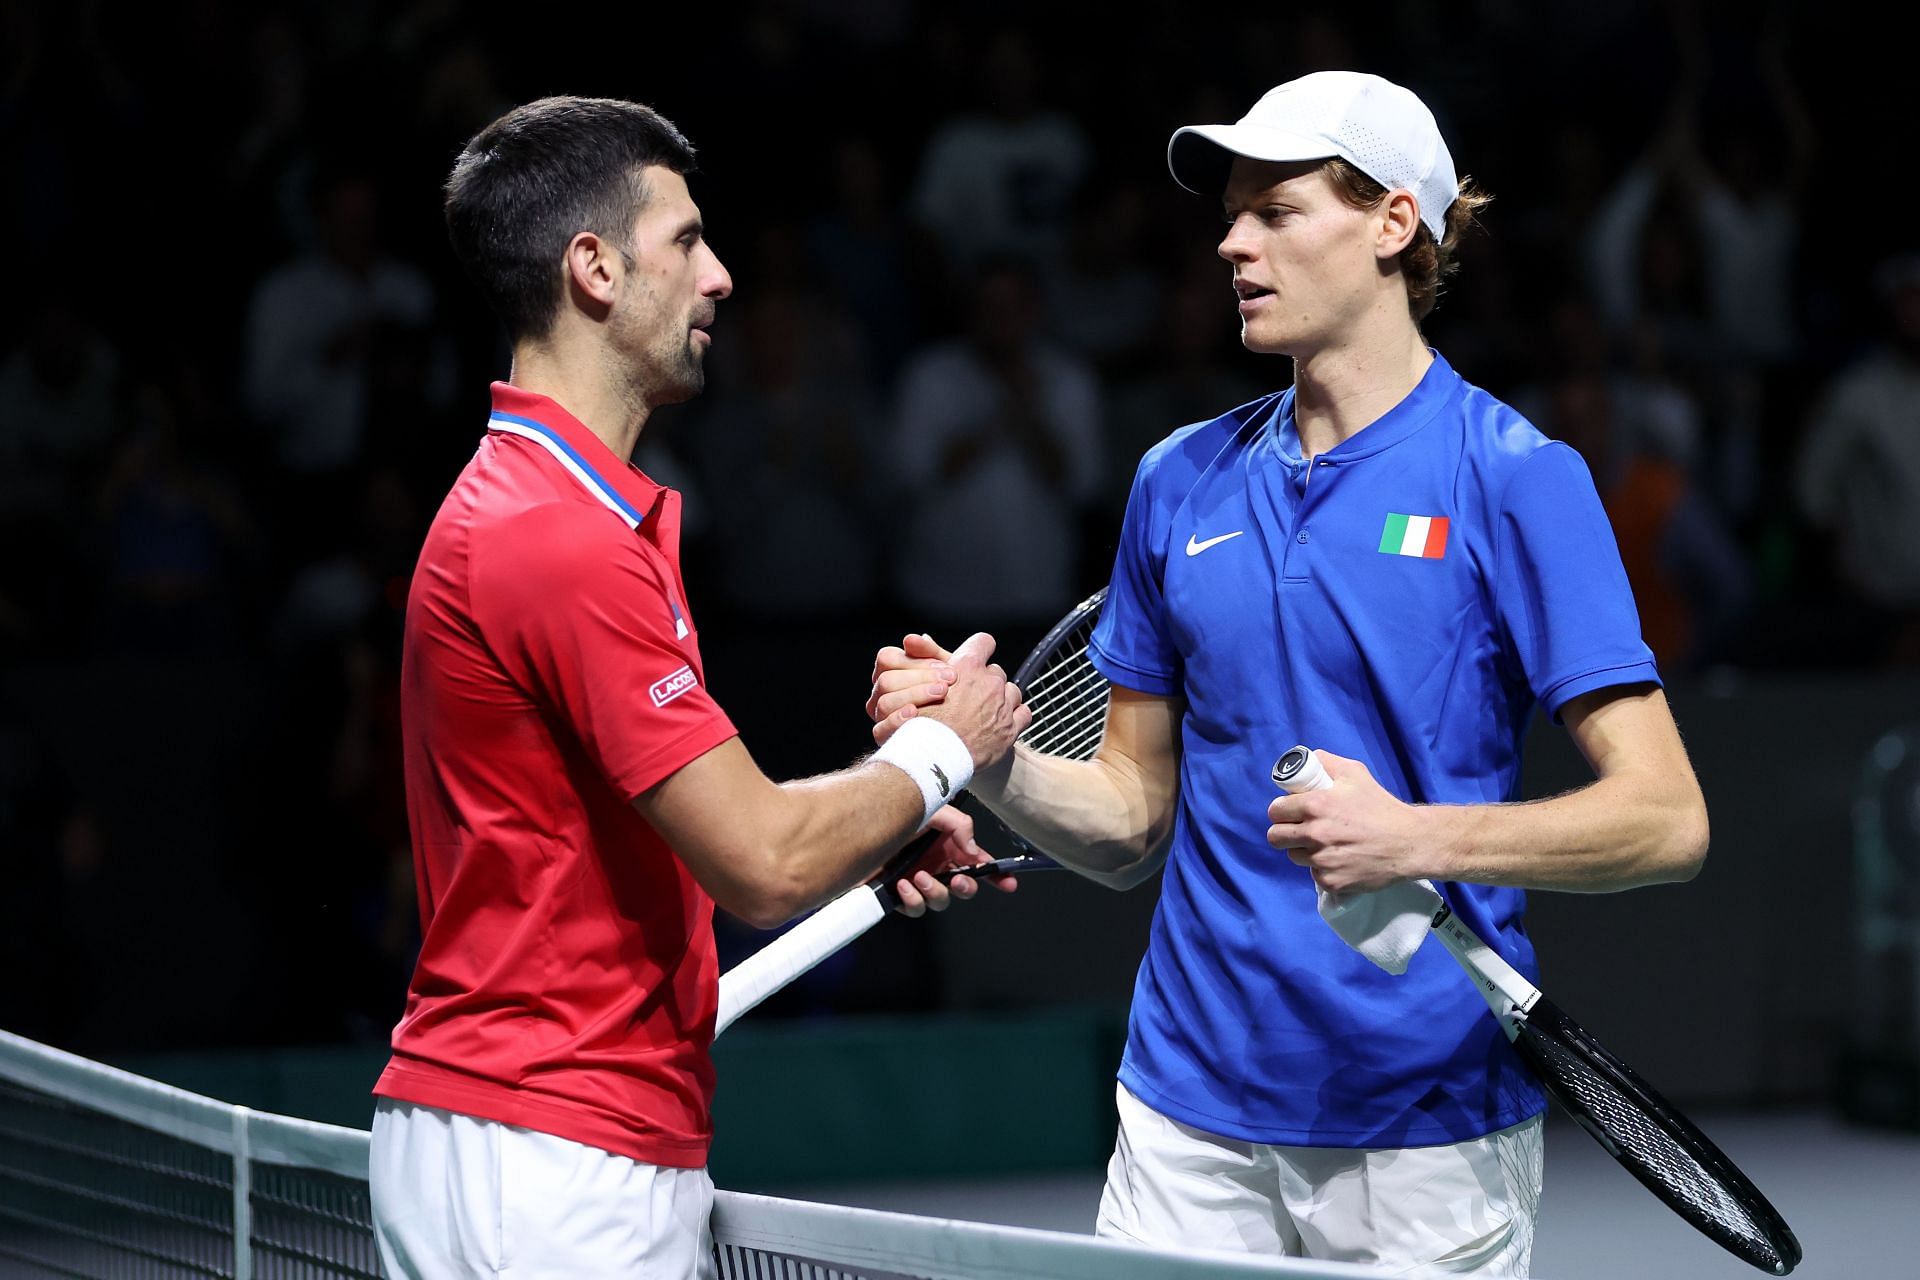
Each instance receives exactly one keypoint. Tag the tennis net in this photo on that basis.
(105, 1174)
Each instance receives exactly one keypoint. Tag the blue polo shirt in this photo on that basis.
(1406, 599)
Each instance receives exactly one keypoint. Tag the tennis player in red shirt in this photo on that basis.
(578, 801)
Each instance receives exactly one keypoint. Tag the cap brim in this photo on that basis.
(1200, 156)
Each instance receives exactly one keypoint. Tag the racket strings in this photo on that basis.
(1064, 711)
(1062, 664)
(1069, 702)
(1653, 1153)
(1050, 702)
(1086, 740)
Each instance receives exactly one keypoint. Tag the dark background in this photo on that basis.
(201, 589)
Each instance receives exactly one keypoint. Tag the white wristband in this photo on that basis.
(934, 757)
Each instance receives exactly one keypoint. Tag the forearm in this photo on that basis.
(821, 836)
(1618, 833)
(767, 851)
(1103, 818)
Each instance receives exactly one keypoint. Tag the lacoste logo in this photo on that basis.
(667, 688)
(940, 776)
(1195, 547)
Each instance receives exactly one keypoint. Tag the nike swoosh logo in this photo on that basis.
(1194, 547)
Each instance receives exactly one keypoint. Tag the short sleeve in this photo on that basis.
(1560, 590)
(1130, 644)
(580, 613)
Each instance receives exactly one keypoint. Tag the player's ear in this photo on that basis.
(1399, 222)
(592, 272)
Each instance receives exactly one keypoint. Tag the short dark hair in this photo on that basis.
(539, 175)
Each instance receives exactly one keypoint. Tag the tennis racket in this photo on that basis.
(1606, 1097)
(1068, 699)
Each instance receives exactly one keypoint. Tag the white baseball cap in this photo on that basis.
(1373, 124)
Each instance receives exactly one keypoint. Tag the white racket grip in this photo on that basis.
(796, 951)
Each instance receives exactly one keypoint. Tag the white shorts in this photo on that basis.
(456, 1196)
(1466, 1208)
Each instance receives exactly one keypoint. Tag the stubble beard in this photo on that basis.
(685, 376)
(670, 370)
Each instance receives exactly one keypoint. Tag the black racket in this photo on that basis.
(1606, 1097)
(1069, 703)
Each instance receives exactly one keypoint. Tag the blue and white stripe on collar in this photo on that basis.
(549, 439)
(582, 470)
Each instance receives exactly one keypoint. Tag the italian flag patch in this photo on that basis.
(1421, 536)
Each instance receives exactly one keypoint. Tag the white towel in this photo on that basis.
(1386, 926)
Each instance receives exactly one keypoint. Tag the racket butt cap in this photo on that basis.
(1300, 770)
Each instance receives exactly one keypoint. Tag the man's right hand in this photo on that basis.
(981, 705)
(913, 674)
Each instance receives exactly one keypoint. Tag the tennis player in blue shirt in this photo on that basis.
(1386, 563)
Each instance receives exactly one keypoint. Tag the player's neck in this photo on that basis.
(1339, 390)
(586, 386)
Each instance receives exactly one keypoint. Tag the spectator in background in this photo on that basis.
(866, 254)
(995, 444)
(1738, 183)
(1743, 177)
(314, 334)
(272, 156)
(1858, 476)
(1191, 369)
(1689, 577)
(1643, 256)
(1639, 430)
(1002, 181)
(58, 390)
(787, 442)
(177, 543)
(1105, 301)
(58, 393)
(331, 600)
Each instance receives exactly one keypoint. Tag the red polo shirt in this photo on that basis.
(567, 979)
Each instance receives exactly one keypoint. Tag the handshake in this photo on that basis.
(962, 690)
(971, 696)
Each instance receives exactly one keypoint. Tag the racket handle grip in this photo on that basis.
(796, 951)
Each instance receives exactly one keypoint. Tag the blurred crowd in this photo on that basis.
(239, 368)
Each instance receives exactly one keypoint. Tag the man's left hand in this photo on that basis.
(919, 892)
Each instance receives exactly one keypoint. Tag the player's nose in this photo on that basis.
(1237, 245)
(715, 282)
